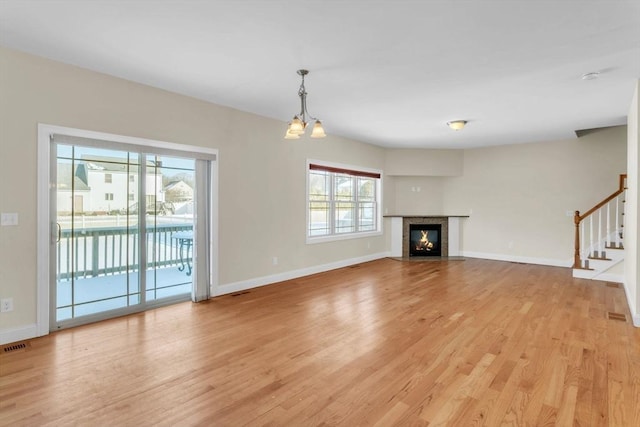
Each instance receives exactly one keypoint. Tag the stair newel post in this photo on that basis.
(577, 262)
(582, 240)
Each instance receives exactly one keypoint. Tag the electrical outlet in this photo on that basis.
(7, 219)
(274, 260)
(6, 305)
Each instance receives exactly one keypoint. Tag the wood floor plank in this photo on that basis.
(464, 343)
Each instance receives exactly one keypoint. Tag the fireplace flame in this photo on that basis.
(424, 244)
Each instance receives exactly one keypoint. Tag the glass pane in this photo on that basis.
(170, 198)
(345, 217)
(97, 240)
(92, 307)
(319, 185)
(344, 188)
(97, 154)
(367, 216)
(366, 189)
(319, 218)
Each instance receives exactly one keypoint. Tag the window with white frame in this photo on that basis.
(108, 196)
(342, 201)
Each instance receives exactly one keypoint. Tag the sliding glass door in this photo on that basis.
(125, 229)
(169, 217)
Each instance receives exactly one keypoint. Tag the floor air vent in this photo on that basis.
(613, 285)
(14, 347)
(617, 316)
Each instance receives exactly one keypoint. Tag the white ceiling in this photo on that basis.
(390, 73)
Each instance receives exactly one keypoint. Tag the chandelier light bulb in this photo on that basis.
(296, 126)
(318, 131)
(289, 135)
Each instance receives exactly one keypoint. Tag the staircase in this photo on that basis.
(599, 236)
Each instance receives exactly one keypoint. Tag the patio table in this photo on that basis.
(185, 247)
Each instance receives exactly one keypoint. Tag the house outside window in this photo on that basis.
(108, 178)
(342, 202)
(108, 196)
(132, 178)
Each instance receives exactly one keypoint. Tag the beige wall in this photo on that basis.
(632, 228)
(518, 195)
(261, 175)
(418, 162)
(418, 195)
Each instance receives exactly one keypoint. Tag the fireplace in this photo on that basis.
(431, 224)
(425, 240)
(449, 236)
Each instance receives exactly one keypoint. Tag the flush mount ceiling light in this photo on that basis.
(591, 76)
(456, 124)
(298, 125)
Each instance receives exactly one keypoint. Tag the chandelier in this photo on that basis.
(298, 125)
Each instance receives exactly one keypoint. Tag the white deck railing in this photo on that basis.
(100, 251)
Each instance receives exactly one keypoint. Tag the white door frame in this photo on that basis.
(45, 230)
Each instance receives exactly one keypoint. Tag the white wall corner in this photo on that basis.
(396, 236)
(18, 334)
(454, 236)
(631, 231)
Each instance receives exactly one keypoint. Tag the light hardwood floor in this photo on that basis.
(459, 343)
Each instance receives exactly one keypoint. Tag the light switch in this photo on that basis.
(8, 219)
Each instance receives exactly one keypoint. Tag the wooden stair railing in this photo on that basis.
(578, 219)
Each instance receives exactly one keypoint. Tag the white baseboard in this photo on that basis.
(18, 334)
(596, 275)
(294, 274)
(579, 273)
(512, 258)
(610, 277)
(635, 316)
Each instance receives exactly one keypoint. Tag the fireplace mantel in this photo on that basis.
(450, 232)
(426, 216)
